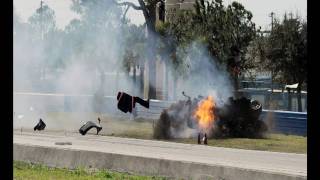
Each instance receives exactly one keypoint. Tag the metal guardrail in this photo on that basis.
(287, 122)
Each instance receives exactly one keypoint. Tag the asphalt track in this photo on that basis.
(273, 162)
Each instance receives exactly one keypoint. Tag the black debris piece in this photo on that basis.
(184, 94)
(205, 139)
(127, 102)
(202, 138)
(40, 126)
(89, 125)
(240, 118)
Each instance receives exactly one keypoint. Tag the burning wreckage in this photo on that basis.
(203, 118)
(200, 117)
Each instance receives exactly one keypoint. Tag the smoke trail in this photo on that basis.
(203, 76)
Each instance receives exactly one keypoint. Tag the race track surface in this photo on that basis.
(283, 163)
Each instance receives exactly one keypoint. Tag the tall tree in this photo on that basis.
(284, 52)
(176, 36)
(99, 28)
(148, 8)
(287, 51)
(135, 44)
(227, 31)
(43, 20)
(43, 25)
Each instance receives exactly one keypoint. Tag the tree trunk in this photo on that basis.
(142, 81)
(166, 81)
(175, 87)
(271, 82)
(134, 74)
(289, 100)
(152, 79)
(152, 63)
(270, 101)
(149, 13)
(102, 80)
(99, 95)
(299, 97)
(236, 86)
(117, 82)
(134, 78)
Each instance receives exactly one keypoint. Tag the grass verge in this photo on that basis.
(273, 142)
(143, 129)
(26, 171)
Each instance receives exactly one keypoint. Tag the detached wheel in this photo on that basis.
(255, 105)
(256, 109)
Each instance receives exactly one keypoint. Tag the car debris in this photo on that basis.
(40, 126)
(89, 125)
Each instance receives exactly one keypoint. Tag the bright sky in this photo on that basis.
(260, 9)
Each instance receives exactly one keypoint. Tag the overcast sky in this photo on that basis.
(260, 9)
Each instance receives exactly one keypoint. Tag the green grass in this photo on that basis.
(273, 142)
(26, 171)
(112, 126)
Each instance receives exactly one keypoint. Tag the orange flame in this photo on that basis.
(204, 113)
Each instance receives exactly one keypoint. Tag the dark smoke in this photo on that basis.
(240, 118)
(236, 118)
(177, 121)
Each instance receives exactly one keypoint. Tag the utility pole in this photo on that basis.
(271, 15)
(270, 99)
(291, 15)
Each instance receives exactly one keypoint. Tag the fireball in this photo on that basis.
(204, 113)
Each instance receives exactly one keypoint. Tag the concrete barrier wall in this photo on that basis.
(64, 157)
(286, 121)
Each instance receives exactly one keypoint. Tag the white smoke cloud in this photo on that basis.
(91, 49)
(82, 51)
(204, 76)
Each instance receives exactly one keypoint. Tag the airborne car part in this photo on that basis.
(40, 126)
(89, 125)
